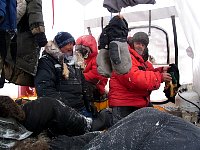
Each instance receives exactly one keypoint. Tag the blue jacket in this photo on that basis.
(8, 15)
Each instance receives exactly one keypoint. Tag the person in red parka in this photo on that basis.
(131, 91)
(87, 46)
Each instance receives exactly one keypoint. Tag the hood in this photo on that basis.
(52, 49)
(88, 41)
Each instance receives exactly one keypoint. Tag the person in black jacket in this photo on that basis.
(46, 114)
(59, 76)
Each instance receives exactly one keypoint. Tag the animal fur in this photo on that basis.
(8, 108)
(33, 143)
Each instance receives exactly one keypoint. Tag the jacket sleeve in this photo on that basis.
(140, 79)
(34, 11)
(150, 67)
(160, 69)
(88, 89)
(21, 9)
(92, 75)
(45, 79)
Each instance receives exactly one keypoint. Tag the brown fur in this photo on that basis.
(38, 143)
(8, 108)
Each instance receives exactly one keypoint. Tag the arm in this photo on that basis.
(140, 79)
(34, 10)
(92, 75)
(45, 79)
(36, 23)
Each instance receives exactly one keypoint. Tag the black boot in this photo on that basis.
(103, 121)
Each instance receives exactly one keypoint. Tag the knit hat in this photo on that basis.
(63, 38)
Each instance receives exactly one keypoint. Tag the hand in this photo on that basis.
(40, 39)
(166, 77)
(165, 69)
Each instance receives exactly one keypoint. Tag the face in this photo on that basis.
(83, 50)
(139, 47)
(68, 49)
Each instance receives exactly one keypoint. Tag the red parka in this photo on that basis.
(90, 72)
(135, 87)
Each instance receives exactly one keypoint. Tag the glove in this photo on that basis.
(104, 67)
(118, 46)
(40, 39)
(120, 57)
(117, 29)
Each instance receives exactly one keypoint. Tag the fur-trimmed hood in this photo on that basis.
(52, 49)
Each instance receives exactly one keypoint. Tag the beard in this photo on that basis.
(139, 51)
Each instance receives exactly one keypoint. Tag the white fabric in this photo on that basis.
(188, 12)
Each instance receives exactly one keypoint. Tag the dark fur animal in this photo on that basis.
(33, 143)
(8, 108)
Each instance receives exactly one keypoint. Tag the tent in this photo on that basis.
(76, 16)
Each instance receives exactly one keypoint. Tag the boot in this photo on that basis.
(103, 121)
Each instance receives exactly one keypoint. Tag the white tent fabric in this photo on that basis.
(84, 2)
(188, 12)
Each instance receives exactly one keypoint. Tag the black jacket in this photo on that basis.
(50, 82)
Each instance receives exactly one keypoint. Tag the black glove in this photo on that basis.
(103, 39)
(40, 39)
(117, 29)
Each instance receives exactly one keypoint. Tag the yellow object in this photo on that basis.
(159, 108)
(101, 104)
(172, 89)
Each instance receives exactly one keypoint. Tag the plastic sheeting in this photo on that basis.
(10, 131)
(188, 12)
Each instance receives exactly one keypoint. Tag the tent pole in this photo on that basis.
(175, 39)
